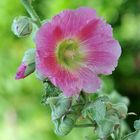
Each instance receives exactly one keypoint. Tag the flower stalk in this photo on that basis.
(28, 6)
(127, 136)
(83, 125)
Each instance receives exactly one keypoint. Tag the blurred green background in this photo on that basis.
(22, 116)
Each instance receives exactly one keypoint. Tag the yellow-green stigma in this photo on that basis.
(69, 54)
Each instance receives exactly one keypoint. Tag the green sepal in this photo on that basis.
(30, 69)
(59, 106)
(29, 61)
(65, 124)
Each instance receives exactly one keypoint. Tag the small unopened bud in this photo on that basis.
(22, 26)
(27, 66)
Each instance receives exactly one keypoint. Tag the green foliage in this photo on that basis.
(50, 90)
(96, 110)
(134, 135)
(107, 116)
(104, 116)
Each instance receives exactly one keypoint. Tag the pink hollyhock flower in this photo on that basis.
(74, 48)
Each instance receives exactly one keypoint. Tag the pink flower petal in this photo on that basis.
(102, 62)
(90, 80)
(93, 28)
(71, 21)
(102, 49)
(69, 83)
(47, 65)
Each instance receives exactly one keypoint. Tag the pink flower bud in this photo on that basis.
(27, 66)
(21, 72)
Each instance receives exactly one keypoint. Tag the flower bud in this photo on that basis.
(22, 26)
(65, 124)
(27, 66)
(59, 106)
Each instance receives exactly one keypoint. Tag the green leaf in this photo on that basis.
(137, 124)
(108, 126)
(100, 111)
(135, 136)
(96, 110)
(50, 91)
(132, 136)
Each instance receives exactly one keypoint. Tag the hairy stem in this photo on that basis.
(84, 125)
(31, 11)
(125, 137)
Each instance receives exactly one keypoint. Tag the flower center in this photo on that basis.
(69, 54)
